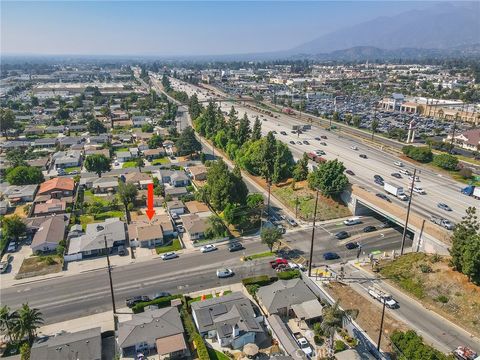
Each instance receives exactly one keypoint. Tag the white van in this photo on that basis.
(352, 221)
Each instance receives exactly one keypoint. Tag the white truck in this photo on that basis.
(395, 190)
(304, 345)
(383, 297)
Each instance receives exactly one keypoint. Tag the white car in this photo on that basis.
(404, 172)
(168, 256)
(354, 148)
(418, 190)
(293, 265)
(352, 221)
(417, 179)
(305, 346)
(319, 152)
(224, 273)
(180, 229)
(398, 163)
(208, 248)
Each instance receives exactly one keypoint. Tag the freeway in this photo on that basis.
(438, 188)
(75, 295)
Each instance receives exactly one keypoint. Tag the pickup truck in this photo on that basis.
(304, 345)
(383, 297)
(442, 222)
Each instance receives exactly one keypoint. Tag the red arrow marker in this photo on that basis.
(150, 211)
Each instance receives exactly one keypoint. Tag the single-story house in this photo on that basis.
(69, 141)
(140, 179)
(159, 330)
(281, 296)
(49, 234)
(151, 154)
(176, 192)
(195, 226)
(176, 207)
(98, 139)
(44, 143)
(51, 206)
(92, 243)
(104, 152)
(147, 235)
(80, 345)
(231, 319)
(164, 175)
(179, 179)
(57, 187)
(65, 159)
(123, 156)
(55, 129)
(104, 185)
(41, 163)
(197, 207)
(140, 120)
(18, 193)
(198, 172)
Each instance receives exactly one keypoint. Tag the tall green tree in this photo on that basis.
(329, 178)
(257, 129)
(155, 142)
(232, 124)
(356, 121)
(96, 126)
(268, 151)
(374, 127)
(29, 320)
(446, 161)
(194, 107)
(270, 236)
(243, 132)
(97, 163)
(8, 322)
(187, 143)
(24, 175)
(140, 163)
(215, 228)
(127, 193)
(7, 121)
(300, 172)
(13, 227)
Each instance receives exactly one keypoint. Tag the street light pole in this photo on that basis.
(313, 237)
(408, 212)
(381, 327)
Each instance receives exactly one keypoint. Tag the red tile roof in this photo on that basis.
(61, 184)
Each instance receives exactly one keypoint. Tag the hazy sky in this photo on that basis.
(177, 28)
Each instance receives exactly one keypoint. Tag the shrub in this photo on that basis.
(260, 280)
(422, 153)
(161, 303)
(425, 268)
(193, 335)
(442, 299)
(340, 346)
(252, 289)
(446, 161)
(288, 274)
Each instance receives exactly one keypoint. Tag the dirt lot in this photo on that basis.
(369, 314)
(40, 265)
(430, 279)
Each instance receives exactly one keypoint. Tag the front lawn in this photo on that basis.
(327, 208)
(161, 161)
(174, 246)
(68, 170)
(260, 255)
(129, 164)
(109, 214)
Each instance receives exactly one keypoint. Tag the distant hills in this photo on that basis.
(442, 26)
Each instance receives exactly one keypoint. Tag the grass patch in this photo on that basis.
(109, 214)
(174, 246)
(85, 220)
(327, 208)
(71, 169)
(122, 149)
(40, 265)
(260, 255)
(217, 355)
(161, 161)
(208, 296)
(129, 164)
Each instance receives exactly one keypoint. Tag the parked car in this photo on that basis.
(235, 246)
(444, 206)
(352, 245)
(180, 229)
(208, 248)
(4, 267)
(283, 133)
(12, 247)
(292, 222)
(369, 228)
(379, 182)
(224, 273)
(122, 251)
(292, 142)
(330, 256)
(131, 302)
(278, 262)
(323, 143)
(299, 143)
(324, 137)
(293, 265)
(168, 255)
(363, 156)
(319, 152)
(342, 235)
(317, 138)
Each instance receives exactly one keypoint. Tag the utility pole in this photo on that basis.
(313, 237)
(268, 198)
(408, 212)
(99, 227)
(381, 327)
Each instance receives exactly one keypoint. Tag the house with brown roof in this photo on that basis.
(157, 331)
(49, 234)
(176, 207)
(139, 179)
(198, 172)
(151, 154)
(469, 139)
(51, 206)
(57, 187)
(195, 226)
(147, 235)
(197, 207)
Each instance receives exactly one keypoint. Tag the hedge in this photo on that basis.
(288, 274)
(260, 280)
(193, 335)
(161, 303)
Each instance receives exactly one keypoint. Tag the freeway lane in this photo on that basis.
(438, 187)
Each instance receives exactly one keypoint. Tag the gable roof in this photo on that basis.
(93, 239)
(194, 224)
(196, 207)
(146, 232)
(284, 293)
(59, 183)
(149, 326)
(52, 230)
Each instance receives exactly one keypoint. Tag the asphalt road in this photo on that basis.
(438, 188)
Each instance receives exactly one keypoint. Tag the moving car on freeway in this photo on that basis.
(383, 196)
(444, 206)
(352, 221)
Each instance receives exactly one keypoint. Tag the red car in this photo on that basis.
(278, 262)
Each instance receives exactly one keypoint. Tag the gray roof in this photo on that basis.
(80, 345)
(308, 310)
(149, 326)
(283, 335)
(284, 293)
(176, 191)
(18, 190)
(93, 239)
(222, 313)
(179, 176)
(51, 231)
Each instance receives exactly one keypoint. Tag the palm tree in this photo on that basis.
(29, 320)
(332, 320)
(8, 321)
